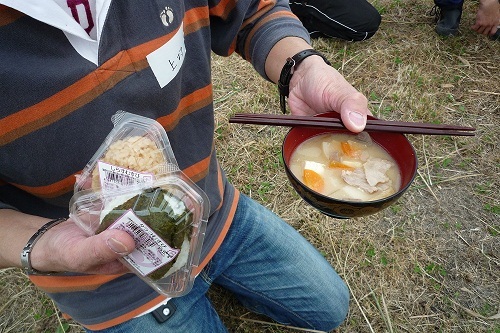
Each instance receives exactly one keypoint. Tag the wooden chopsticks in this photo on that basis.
(375, 125)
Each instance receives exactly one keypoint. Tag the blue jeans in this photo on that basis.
(449, 3)
(270, 268)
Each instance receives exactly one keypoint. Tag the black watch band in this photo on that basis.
(287, 72)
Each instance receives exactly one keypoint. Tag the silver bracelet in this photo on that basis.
(26, 254)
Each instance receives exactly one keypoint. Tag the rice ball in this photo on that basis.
(137, 153)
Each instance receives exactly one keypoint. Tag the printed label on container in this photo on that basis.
(151, 252)
(113, 177)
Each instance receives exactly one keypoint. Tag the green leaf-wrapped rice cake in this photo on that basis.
(165, 213)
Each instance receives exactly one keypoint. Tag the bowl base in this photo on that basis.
(334, 215)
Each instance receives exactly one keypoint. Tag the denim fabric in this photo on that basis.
(449, 3)
(270, 268)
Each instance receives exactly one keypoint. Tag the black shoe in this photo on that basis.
(448, 20)
(496, 35)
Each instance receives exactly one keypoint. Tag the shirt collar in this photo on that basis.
(49, 12)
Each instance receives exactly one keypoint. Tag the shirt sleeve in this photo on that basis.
(251, 28)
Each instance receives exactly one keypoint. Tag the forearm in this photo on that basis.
(63, 248)
(283, 49)
(15, 230)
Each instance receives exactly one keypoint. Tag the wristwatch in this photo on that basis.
(26, 253)
(287, 72)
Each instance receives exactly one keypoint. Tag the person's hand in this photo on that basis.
(487, 17)
(67, 248)
(316, 87)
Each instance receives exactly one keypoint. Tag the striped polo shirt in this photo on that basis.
(59, 89)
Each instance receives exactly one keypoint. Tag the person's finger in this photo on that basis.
(111, 244)
(478, 28)
(99, 253)
(354, 113)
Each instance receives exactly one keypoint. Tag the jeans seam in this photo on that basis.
(206, 277)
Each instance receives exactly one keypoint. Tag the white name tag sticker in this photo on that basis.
(166, 61)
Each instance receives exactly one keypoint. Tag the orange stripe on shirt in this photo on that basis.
(223, 8)
(58, 105)
(257, 27)
(139, 53)
(55, 283)
(195, 19)
(220, 185)
(78, 94)
(8, 15)
(195, 14)
(52, 190)
(195, 26)
(198, 170)
(222, 234)
(125, 317)
(189, 103)
(264, 7)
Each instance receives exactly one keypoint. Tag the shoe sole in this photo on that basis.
(446, 32)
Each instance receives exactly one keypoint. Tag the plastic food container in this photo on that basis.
(136, 151)
(167, 221)
(133, 183)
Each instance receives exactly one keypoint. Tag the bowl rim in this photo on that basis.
(395, 195)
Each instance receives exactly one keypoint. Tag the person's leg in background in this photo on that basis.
(353, 20)
(448, 14)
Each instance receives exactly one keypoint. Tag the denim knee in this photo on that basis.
(335, 307)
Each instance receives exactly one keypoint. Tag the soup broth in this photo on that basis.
(347, 167)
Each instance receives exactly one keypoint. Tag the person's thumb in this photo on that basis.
(354, 113)
(109, 245)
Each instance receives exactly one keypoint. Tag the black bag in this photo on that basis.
(353, 20)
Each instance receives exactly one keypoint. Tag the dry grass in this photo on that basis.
(429, 263)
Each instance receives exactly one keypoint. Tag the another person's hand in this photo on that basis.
(67, 248)
(316, 87)
(487, 17)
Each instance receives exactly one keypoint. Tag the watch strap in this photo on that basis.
(287, 72)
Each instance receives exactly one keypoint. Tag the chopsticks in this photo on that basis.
(374, 125)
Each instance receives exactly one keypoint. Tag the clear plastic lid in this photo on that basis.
(167, 220)
(135, 151)
(133, 183)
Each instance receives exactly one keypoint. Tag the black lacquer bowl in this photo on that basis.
(396, 144)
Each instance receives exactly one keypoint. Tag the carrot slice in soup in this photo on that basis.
(339, 165)
(313, 180)
(347, 149)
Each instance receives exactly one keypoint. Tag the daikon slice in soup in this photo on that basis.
(349, 167)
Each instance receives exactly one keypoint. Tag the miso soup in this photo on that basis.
(349, 167)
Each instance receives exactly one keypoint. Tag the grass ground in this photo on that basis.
(429, 263)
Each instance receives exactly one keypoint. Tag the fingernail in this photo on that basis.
(357, 118)
(117, 246)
